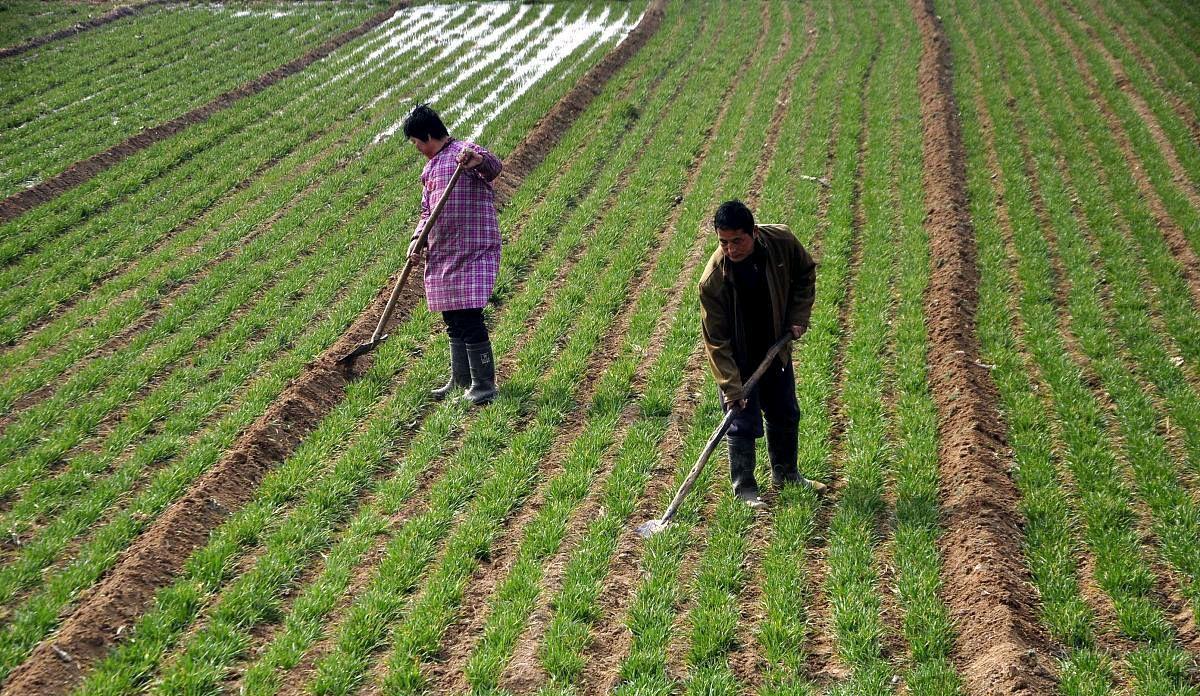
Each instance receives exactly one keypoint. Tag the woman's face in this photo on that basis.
(425, 147)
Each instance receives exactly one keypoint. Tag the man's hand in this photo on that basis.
(798, 331)
(469, 159)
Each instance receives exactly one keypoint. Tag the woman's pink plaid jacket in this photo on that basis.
(463, 254)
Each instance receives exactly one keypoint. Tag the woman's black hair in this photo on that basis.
(423, 123)
(734, 215)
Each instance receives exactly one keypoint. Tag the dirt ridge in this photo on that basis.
(91, 630)
(999, 646)
(81, 172)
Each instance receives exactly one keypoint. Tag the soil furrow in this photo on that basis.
(1108, 639)
(157, 557)
(80, 172)
(999, 646)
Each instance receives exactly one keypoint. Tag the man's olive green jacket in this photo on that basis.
(791, 282)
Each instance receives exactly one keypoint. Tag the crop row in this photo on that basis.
(154, 495)
(1161, 40)
(28, 19)
(23, 468)
(504, 411)
(87, 380)
(1151, 158)
(45, 132)
(1072, 464)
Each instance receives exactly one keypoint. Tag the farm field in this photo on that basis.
(205, 203)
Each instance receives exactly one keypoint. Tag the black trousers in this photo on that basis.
(466, 325)
(774, 397)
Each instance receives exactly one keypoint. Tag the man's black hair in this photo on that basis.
(734, 215)
(423, 123)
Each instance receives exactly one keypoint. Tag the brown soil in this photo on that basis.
(79, 27)
(1108, 639)
(1108, 636)
(81, 172)
(999, 647)
(1168, 585)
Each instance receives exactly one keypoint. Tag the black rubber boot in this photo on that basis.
(483, 373)
(781, 447)
(741, 471)
(460, 370)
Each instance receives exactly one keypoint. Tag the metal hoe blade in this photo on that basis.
(362, 349)
(650, 528)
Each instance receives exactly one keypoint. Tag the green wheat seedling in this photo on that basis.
(96, 413)
(304, 622)
(514, 599)
(782, 629)
(151, 211)
(1104, 498)
(1172, 125)
(44, 614)
(294, 103)
(1179, 314)
(652, 612)
(1051, 538)
(852, 583)
(43, 502)
(1150, 157)
(132, 367)
(60, 141)
(32, 19)
(1173, 63)
(714, 617)
(1175, 515)
(222, 347)
(108, 674)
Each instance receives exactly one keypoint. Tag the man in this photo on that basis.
(463, 249)
(759, 283)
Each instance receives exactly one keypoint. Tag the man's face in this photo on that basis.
(425, 147)
(736, 244)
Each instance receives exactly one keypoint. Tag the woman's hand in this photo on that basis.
(469, 159)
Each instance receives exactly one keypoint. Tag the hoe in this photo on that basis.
(379, 336)
(649, 529)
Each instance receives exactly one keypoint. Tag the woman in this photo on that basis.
(463, 249)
